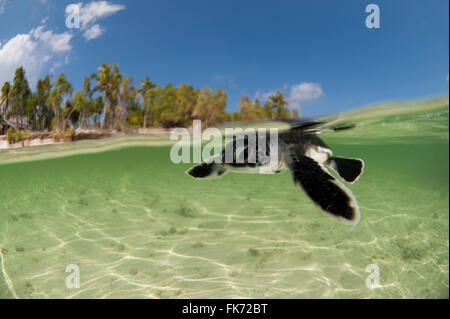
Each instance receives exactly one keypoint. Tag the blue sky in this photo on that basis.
(319, 53)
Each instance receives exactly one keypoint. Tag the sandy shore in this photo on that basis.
(4, 145)
(80, 134)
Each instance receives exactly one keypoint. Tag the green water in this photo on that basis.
(138, 227)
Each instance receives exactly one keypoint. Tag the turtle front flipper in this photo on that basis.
(207, 169)
(322, 188)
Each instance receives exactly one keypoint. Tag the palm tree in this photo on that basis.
(245, 105)
(145, 91)
(126, 94)
(211, 106)
(103, 80)
(88, 92)
(185, 103)
(125, 91)
(108, 82)
(62, 88)
(4, 101)
(19, 95)
(42, 110)
(115, 85)
(78, 103)
(278, 103)
(97, 108)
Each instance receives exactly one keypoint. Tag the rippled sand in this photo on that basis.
(138, 227)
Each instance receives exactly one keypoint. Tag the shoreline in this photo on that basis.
(44, 138)
(356, 114)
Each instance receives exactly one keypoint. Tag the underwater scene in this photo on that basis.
(137, 226)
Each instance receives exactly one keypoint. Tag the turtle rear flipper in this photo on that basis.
(323, 189)
(350, 169)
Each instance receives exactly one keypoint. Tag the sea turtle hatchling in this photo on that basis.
(301, 151)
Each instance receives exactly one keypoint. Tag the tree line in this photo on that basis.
(110, 100)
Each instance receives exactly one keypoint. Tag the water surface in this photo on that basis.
(138, 227)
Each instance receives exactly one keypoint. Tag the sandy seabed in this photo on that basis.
(138, 227)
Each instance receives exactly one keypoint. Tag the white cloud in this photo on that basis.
(2, 6)
(93, 32)
(36, 51)
(296, 94)
(91, 13)
(304, 92)
(42, 50)
(96, 10)
(58, 42)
